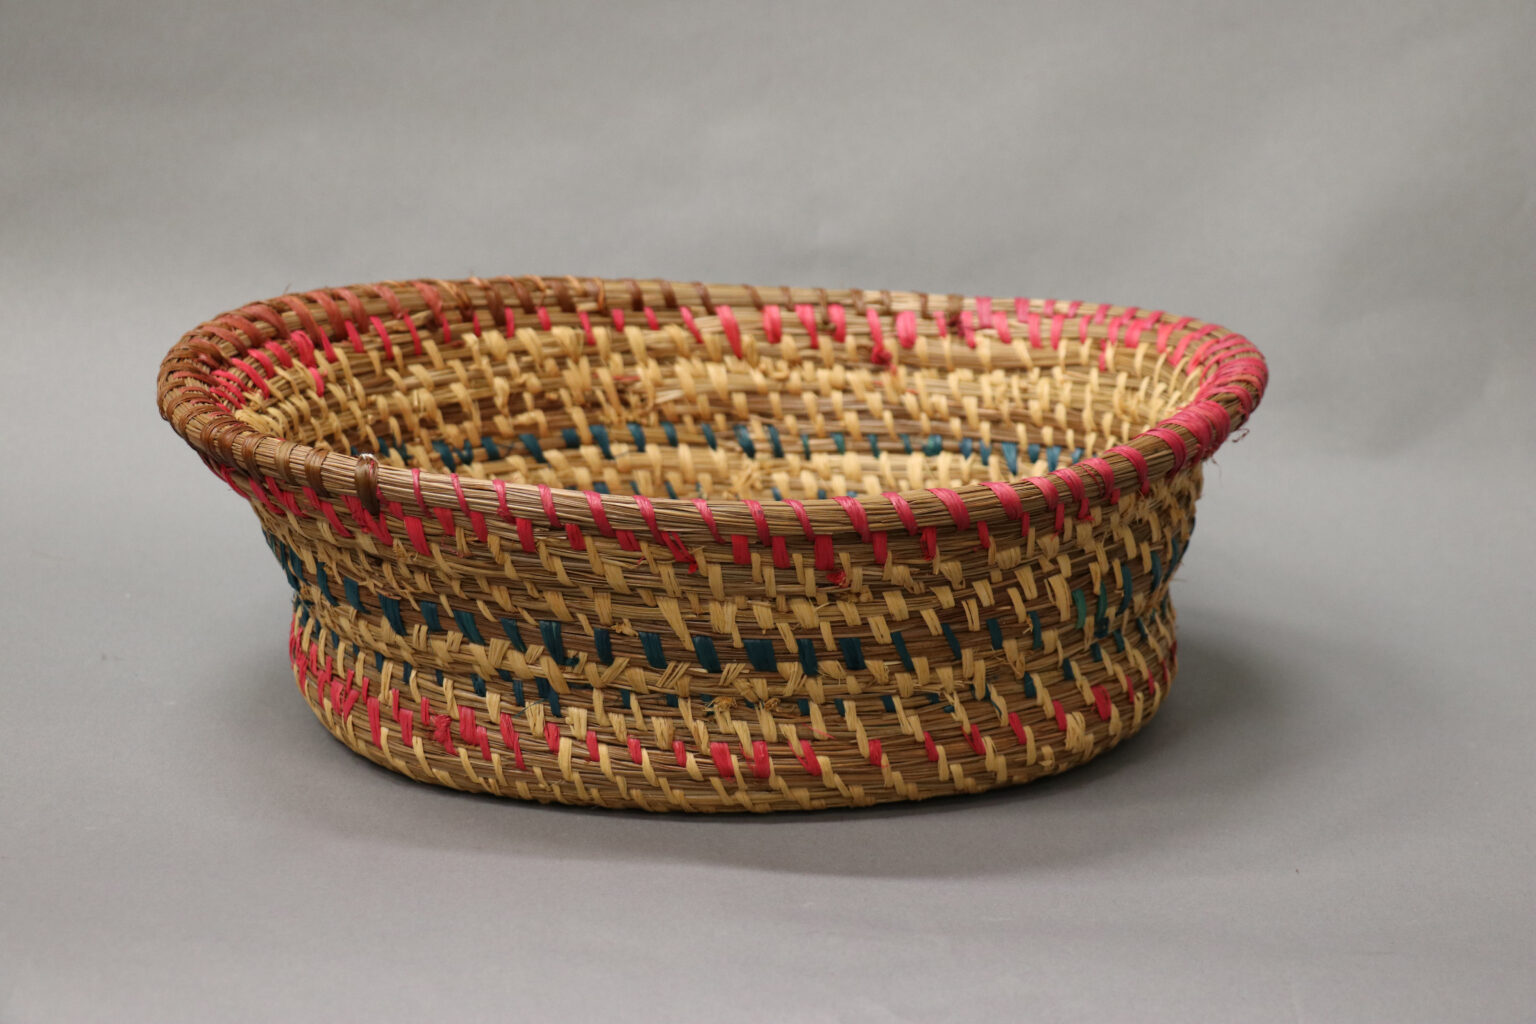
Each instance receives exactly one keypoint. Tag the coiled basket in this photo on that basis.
(707, 548)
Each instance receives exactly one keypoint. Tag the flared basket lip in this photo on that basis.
(203, 377)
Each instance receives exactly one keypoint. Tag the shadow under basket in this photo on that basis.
(709, 547)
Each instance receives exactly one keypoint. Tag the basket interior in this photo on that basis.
(674, 411)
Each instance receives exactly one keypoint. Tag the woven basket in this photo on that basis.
(707, 548)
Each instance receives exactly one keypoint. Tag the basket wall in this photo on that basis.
(485, 603)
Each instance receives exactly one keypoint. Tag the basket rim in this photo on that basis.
(192, 398)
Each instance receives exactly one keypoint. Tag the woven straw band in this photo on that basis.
(678, 546)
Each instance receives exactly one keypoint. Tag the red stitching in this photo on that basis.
(855, 513)
(328, 510)
(720, 754)
(1166, 331)
(500, 487)
(707, 514)
(416, 486)
(1069, 477)
(839, 318)
(762, 765)
(808, 758)
(599, 513)
(389, 348)
(807, 315)
(1058, 320)
(303, 347)
(956, 505)
(509, 739)
(256, 378)
(1018, 727)
(903, 510)
(763, 533)
(648, 513)
(1139, 463)
(418, 535)
(1175, 442)
(1101, 702)
(476, 520)
(826, 559)
(547, 499)
(773, 324)
(731, 327)
(930, 542)
(1000, 325)
(1198, 362)
(805, 520)
(878, 353)
(435, 305)
(254, 335)
(265, 360)
(1047, 487)
(968, 327)
(1008, 498)
(1186, 340)
(1133, 337)
(1106, 474)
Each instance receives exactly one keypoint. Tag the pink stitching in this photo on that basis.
(1007, 497)
(956, 505)
(805, 520)
(599, 513)
(1000, 325)
(903, 510)
(764, 534)
(878, 353)
(855, 513)
(773, 324)
(708, 515)
(807, 315)
(731, 327)
(547, 499)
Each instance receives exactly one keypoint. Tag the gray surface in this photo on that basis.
(1333, 819)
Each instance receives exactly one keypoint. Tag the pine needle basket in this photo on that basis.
(707, 547)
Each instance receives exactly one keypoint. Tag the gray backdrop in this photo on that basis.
(1333, 819)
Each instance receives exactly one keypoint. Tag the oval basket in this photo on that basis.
(707, 548)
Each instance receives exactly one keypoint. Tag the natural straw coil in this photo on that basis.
(713, 547)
